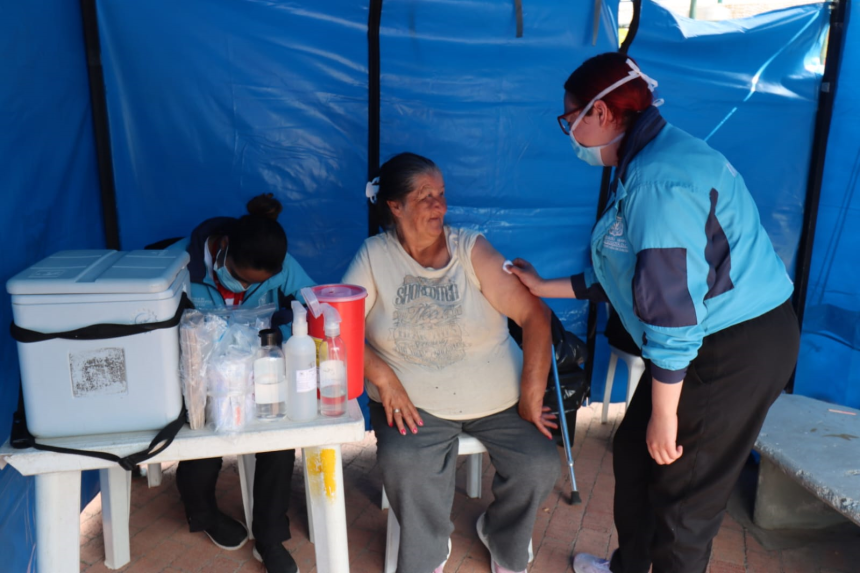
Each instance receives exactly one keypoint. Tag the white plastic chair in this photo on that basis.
(635, 369)
(469, 446)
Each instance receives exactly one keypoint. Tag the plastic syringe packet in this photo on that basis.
(218, 348)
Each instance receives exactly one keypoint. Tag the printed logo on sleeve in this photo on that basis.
(614, 240)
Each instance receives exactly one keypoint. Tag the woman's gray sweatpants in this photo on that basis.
(418, 474)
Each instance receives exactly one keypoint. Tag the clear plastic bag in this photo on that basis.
(218, 348)
(198, 332)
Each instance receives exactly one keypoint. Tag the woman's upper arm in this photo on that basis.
(504, 292)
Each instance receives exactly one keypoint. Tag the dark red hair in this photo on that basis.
(598, 73)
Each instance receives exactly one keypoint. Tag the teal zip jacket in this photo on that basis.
(204, 294)
(680, 251)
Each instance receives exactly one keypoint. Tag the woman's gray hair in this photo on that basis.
(397, 180)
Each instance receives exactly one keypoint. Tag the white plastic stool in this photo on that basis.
(471, 447)
(468, 446)
(247, 465)
(635, 369)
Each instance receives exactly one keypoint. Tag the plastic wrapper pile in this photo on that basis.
(216, 368)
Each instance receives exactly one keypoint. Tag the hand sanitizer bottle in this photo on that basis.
(270, 385)
(301, 356)
(332, 366)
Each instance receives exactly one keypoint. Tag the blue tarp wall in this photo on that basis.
(213, 102)
(49, 201)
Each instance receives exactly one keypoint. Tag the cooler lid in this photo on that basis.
(100, 272)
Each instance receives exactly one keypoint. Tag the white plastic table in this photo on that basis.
(58, 483)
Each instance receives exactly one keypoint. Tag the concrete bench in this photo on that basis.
(809, 476)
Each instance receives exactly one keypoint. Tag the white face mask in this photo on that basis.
(592, 155)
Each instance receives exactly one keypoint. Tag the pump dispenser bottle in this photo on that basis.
(332, 365)
(270, 386)
(301, 356)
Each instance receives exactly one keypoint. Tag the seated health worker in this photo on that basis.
(243, 261)
(440, 363)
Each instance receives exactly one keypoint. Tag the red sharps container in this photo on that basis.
(349, 302)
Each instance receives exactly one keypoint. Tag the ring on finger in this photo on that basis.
(396, 410)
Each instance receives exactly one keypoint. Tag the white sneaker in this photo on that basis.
(441, 568)
(494, 566)
(585, 563)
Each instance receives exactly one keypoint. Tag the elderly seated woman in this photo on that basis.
(440, 363)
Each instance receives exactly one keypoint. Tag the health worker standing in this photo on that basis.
(681, 254)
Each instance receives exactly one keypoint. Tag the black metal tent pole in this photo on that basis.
(826, 97)
(634, 27)
(373, 103)
(98, 103)
(603, 199)
(591, 328)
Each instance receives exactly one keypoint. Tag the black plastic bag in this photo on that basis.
(570, 355)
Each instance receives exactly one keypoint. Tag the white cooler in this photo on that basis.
(78, 387)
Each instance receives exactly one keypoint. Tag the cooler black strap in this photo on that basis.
(22, 438)
(100, 331)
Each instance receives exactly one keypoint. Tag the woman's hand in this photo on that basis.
(661, 438)
(662, 434)
(539, 415)
(398, 407)
(527, 274)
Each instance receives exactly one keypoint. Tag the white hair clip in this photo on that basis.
(371, 190)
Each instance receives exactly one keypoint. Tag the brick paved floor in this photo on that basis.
(161, 542)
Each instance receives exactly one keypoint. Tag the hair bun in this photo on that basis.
(265, 205)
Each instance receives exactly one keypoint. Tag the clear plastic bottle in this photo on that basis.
(270, 383)
(301, 356)
(332, 366)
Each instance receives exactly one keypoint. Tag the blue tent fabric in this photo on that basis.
(829, 368)
(750, 87)
(213, 102)
(50, 194)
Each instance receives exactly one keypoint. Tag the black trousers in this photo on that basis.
(669, 515)
(196, 481)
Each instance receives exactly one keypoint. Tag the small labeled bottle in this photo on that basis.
(270, 383)
(301, 355)
(332, 365)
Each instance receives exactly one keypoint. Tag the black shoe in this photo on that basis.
(276, 558)
(227, 533)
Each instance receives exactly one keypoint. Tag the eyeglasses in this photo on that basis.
(563, 122)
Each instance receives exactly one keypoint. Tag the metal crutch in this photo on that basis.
(574, 495)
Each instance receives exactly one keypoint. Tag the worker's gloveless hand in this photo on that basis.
(661, 438)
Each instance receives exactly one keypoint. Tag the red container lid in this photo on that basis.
(339, 293)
